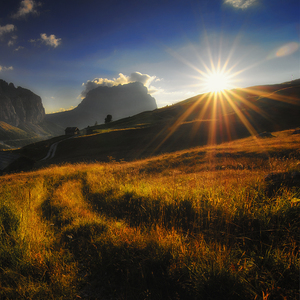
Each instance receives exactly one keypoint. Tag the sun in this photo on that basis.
(217, 82)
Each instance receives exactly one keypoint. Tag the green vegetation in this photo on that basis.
(12, 137)
(8, 132)
(195, 224)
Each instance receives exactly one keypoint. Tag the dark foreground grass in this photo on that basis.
(192, 225)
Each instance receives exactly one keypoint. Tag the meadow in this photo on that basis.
(202, 223)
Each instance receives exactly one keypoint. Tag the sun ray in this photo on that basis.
(180, 120)
(200, 118)
(229, 136)
(249, 104)
(186, 62)
(212, 129)
(241, 116)
(224, 111)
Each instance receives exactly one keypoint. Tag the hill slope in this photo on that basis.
(8, 132)
(205, 119)
(194, 224)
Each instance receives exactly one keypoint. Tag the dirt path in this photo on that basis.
(52, 149)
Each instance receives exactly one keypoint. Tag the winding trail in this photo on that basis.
(52, 149)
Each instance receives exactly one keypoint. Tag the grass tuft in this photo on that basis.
(198, 224)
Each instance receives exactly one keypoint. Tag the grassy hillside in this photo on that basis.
(8, 132)
(201, 120)
(14, 137)
(11, 136)
(200, 223)
(26, 133)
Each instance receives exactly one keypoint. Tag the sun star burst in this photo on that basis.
(217, 82)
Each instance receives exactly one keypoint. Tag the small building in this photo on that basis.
(71, 131)
(13, 162)
(86, 131)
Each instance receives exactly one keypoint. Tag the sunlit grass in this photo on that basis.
(192, 224)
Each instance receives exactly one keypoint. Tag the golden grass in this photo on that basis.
(190, 224)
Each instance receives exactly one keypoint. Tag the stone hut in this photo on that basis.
(71, 131)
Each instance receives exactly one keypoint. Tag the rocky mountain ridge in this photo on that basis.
(119, 101)
(22, 117)
(23, 110)
(19, 105)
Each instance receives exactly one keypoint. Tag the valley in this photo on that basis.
(190, 123)
(188, 201)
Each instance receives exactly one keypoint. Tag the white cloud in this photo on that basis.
(7, 28)
(64, 109)
(26, 7)
(242, 4)
(145, 79)
(50, 40)
(6, 68)
(19, 48)
(12, 41)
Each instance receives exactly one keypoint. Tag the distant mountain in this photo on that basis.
(22, 117)
(119, 101)
(19, 105)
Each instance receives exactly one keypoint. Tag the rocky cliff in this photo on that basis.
(119, 101)
(22, 117)
(19, 105)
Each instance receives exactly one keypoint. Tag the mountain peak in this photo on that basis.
(119, 101)
(19, 105)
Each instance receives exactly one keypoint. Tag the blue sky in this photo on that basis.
(62, 49)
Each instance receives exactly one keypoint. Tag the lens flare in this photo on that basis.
(287, 49)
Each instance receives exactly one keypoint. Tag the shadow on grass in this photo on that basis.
(248, 230)
(118, 266)
(11, 251)
(127, 270)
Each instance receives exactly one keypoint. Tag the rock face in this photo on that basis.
(19, 105)
(119, 101)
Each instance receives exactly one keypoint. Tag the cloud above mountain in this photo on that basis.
(145, 79)
(50, 40)
(241, 4)
(6, 68)
(7, 28)
(26, 7)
